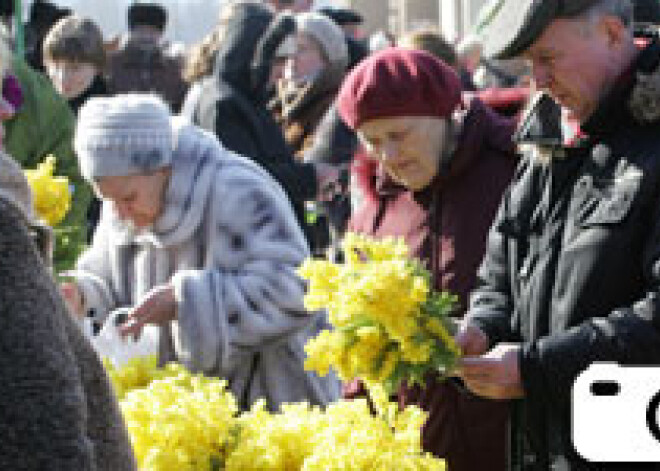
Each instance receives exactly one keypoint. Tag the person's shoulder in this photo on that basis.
(39, 92)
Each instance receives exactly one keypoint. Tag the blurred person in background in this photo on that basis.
(43, 15)
(431, 40)
(74, 58)
(293, 6)
(233, 103)
(313, 72)
(314, 69)
(441, 167)
(144, 62)
(350, 21)
(42, 124)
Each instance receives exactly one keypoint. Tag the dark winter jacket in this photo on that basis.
(144, 65)
(334, 143)
(572, 266)
(445, 225)
(232, 104)
(98, 87)
(57, 409)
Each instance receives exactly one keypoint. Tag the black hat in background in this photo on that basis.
(647, 12)
(6, 8)
(508, 27)
(46, 13)
(342, 16)
(147, 14)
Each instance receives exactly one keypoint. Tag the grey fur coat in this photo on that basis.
(229, 243)
(57, 409)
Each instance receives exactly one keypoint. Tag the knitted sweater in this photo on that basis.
(57, 409)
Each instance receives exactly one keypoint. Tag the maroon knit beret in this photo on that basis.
(398, 82)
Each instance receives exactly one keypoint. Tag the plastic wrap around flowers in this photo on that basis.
(184, 422)
(389, 326)
(51, 194)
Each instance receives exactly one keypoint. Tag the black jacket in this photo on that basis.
(572, 267)
(232, 103)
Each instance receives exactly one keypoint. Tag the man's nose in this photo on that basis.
(541, 76)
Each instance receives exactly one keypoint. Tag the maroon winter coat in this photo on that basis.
(445, 225)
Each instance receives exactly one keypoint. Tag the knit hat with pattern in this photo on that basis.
(123, 135)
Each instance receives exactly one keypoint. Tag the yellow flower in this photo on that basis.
(378, 300)
(52, 198)
(183, 422)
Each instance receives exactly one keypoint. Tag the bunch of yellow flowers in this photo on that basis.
(138, 373)
(389, 326)
(180, 422)
(51, 194)
(346, 436)
(188, 422)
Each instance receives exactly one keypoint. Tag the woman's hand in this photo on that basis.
(158, 307)
(73, 298)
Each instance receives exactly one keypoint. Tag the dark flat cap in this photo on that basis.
(148, 14)
(647, 11)
(46, 13)
(508, 27)
(342, 16)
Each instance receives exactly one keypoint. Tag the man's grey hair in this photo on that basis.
(622, 9)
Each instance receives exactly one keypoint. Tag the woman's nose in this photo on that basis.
(389, 151)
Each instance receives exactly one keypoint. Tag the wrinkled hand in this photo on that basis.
(327, 180)
(73, 298)
(471, 339)
(158, 307)
(494, 375)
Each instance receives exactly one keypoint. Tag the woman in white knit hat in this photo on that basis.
(200, 242)
(317, 60)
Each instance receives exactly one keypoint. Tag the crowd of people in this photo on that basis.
(519, 165)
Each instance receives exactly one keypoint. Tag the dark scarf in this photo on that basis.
(96, 88)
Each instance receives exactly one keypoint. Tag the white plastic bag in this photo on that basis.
(110, 344)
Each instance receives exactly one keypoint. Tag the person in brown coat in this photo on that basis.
(313, 72)
(441, 168)
(144, 62)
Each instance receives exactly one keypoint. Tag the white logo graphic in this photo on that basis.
(616, 413)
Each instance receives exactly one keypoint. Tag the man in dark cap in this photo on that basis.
(571, 274)
(294, 6)
(43, 15)
(144, 62)
(147, 15)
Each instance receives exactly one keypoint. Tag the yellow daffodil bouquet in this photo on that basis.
(51, 194)
(176, 420)
(389, 325)
(184, 422)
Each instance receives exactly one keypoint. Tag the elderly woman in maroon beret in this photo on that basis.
(441, 166)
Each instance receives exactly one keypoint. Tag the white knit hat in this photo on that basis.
(123, 135)
(330, 36)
